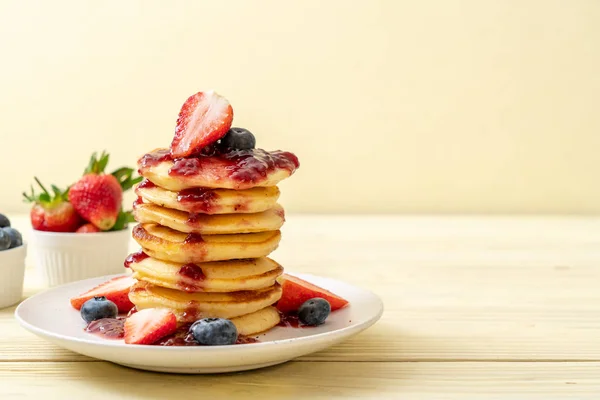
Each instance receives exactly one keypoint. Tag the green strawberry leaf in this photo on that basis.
(125, 177)
(123, 220)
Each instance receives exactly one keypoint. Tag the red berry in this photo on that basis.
(88, 228)
(51, 212)
(149, 325)
(97, 198)
(115, 290)
(296, 291)
(204, 118)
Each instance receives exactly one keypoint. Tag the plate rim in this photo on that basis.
(346, 331)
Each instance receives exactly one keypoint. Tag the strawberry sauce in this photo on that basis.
(190, 275)
(183, 337)
(193, 238)
(198, 200)
(108, 328)
(248, 166)
(154, 158)
(146, 184)
(136, 257)
(291, 320)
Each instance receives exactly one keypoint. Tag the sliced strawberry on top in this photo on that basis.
(149, 325)
(204, 118)
(296, 291)
(115, 290)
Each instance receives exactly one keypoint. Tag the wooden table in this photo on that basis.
(476, 308)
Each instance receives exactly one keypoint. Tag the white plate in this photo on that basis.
(50, 316)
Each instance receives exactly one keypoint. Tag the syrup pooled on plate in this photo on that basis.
(291, 320)
(108, 328)
(183, 337)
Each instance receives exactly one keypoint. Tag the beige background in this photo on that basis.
(392, 106)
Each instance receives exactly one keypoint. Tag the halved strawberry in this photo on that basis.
(204, 118)
(296, 291)
(115, 290)
(149, 325)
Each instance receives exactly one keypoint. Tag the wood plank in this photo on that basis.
(315, 380)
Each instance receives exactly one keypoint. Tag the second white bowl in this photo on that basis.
(68, 257)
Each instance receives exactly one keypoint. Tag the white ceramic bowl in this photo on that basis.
(12, 270)
(69, 257)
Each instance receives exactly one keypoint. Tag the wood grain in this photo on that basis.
(314, 380)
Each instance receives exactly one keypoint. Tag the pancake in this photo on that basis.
(270, 220)
(257, 322)
(218, 276)
(170, 245)
(234, 169)
(190, 307)
(210, 201)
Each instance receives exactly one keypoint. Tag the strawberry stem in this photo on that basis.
(97, 166)
(45, 197)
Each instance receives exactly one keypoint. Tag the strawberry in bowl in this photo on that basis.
(81, 232)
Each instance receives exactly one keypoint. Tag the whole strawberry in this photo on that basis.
(51, 211)
(97, 196)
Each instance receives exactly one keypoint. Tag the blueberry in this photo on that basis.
(314, 312)
(214, 331)
(15, 237)
(4, 221)
(239, 139)
(98, 308)
(4, 240)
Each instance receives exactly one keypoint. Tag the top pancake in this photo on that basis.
(234, 169)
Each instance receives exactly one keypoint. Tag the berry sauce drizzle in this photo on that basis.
(291, 320)
(108, 328)
(193, 238)
(251, 165)
(136, 257)
(190, 276)
(183, 337)
(198, 200)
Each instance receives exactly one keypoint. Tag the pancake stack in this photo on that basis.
(207, 223)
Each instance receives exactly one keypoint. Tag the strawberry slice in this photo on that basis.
(115, 290)
(204, 118)
(149, 325)
(296, 291)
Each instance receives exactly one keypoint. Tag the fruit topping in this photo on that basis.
(4, 240)
(4, 221)
(97, 196)
(88, 228)
(16, 239)
(239, 139)
(149, 325)
(97, 308)
(115, 290)
(214, 332)
(110, 328)
(296, 291)
(136, 257)
(314, 312)
(205, 117)
(52, 211)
